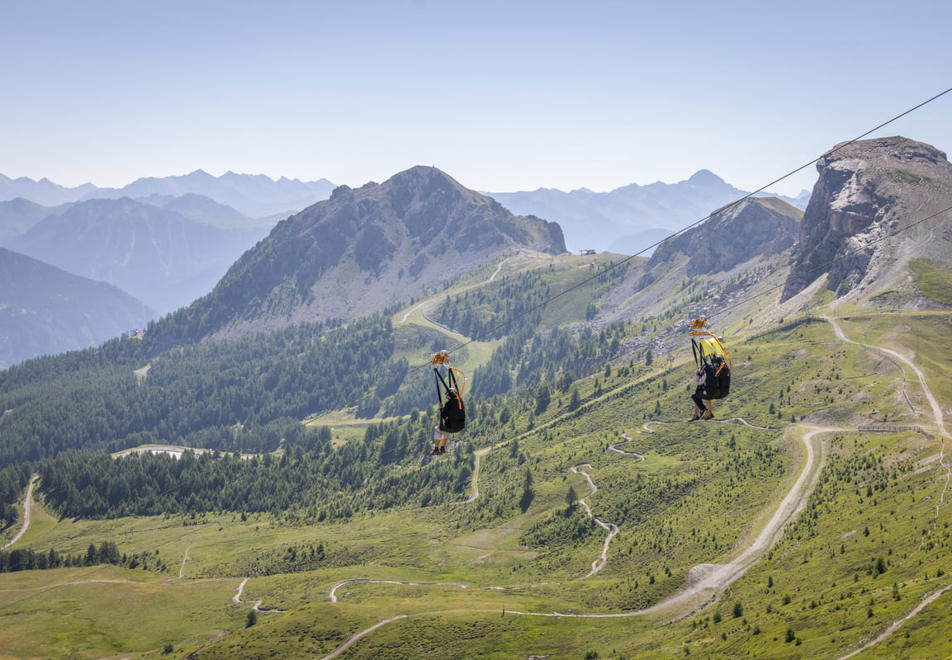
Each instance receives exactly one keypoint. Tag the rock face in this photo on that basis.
(758, 226)
(862, 223)
(363, 250)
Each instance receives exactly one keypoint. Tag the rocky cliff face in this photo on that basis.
(862, 223)
(365, 249)
(759, 226)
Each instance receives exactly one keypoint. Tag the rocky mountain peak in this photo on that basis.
(867, 194)
(364, 249)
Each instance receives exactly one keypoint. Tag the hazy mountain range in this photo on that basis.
(252, 195)
(625, 220)
(629, 219)
(367, 248)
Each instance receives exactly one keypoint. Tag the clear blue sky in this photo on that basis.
(501, 95)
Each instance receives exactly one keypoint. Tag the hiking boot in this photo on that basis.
(707, 415)
(694, 417)
(442, 450)
(436, 451)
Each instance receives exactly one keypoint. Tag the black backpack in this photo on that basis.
(452, 412)
(717, 384)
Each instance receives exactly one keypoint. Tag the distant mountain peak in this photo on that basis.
(706, 177)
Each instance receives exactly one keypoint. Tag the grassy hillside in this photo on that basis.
(869, 545)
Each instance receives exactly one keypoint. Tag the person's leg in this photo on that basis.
(438, 435)
(697, 406)
(708, 409)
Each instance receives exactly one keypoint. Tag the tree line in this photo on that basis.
(107, 552)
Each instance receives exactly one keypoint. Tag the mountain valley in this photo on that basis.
(580, 513)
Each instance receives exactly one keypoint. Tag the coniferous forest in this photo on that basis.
(67, 413)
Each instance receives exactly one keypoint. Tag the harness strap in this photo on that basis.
(439, 379)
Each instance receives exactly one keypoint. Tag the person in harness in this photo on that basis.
(712, 377)
(449, 396)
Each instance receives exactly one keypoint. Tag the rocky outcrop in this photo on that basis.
(363, 250)
(756, 227)
(862, 223)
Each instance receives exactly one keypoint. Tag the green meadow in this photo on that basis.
(486, 578)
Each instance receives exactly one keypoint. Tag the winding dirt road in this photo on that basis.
(611, 528)
(27, 505)
(615, 448)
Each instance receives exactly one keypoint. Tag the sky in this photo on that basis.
(503, 96)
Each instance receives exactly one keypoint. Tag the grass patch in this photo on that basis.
(933, 279)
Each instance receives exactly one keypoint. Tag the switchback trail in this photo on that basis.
(611, 528)
(27, 504)
(615, 449)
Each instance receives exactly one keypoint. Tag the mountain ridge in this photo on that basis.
(860, 229)
(46, 310)
(156, 255)
(363, 250)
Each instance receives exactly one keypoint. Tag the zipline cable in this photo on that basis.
(722, 209)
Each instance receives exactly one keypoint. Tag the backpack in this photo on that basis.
(717, 384)
(452, 414)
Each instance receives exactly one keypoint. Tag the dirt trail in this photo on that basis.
(27, 505)
(181, 570)
(615, 449)
(611, 528)
(255, 605)
(353, 638)
(479, 453)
